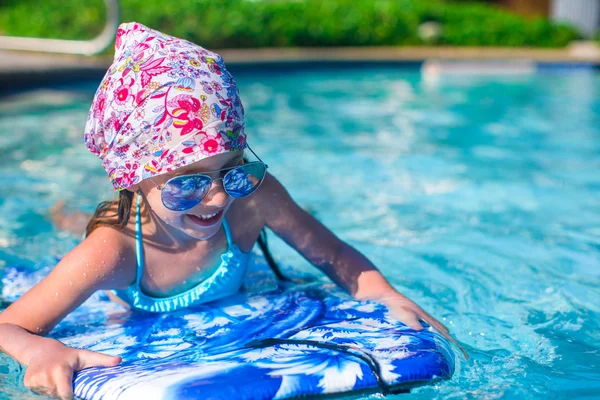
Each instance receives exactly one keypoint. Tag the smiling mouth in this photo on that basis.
(206, 219)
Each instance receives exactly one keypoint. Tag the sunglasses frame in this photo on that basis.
(162, 186)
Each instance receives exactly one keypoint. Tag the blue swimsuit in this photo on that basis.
(225, 281)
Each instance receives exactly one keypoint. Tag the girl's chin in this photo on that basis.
(199, 232)
(201, 235)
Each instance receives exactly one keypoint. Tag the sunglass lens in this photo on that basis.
(184, 192)
(245, 179)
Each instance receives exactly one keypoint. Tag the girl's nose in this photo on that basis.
(216, 196)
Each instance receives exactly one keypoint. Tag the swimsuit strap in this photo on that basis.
(227, 233)
(139, 243)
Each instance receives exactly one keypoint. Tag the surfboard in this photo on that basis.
(270, 341)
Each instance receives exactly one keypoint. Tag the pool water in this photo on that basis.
(478, 197)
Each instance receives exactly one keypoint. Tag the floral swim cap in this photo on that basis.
(164, 103)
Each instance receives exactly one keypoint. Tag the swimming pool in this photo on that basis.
(478, 197)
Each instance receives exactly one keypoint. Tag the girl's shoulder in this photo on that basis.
(109, 252)
(99, 262)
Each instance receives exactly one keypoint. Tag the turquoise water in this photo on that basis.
(478, 197)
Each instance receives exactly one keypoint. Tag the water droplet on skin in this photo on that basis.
(38, 329)
(104, 240)
(85, 275)
(56, 294)
(70, 283)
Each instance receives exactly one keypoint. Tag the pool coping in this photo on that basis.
(23, 70)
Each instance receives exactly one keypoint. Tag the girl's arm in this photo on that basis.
(342, 263)
(99, 262)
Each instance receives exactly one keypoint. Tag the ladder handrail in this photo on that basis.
(86, 47)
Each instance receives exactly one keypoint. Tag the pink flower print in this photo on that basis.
(113, 122)
(210, 145)
(153, 167)
(173, 55)
(216, 86)
(187, 117)
(112, 126)
(137, 154)
(170, 158)
(202, 143)
(121, 151)
(131, 64)
(126, 131)
(122, 93)
(149, 89)
(106, 83)
(118, 40)
(152, 67)
(90, 143)
(100, 105)
(160, 136)
(125, 175)
(212, 65)
(138, 113)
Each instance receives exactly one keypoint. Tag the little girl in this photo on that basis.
(168, 124)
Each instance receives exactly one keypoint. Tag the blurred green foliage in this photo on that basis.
(285, 23)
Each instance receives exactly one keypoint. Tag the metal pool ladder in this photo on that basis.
(85, 47)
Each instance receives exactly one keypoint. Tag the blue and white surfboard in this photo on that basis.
(265, 343)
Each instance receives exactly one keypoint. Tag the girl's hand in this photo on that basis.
(50, 369)
(405, 310)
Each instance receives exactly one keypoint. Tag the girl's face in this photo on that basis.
(204, 220)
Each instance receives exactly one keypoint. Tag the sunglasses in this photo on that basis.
(187, 191)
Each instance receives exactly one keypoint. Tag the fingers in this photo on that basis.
(55, 394)
(64, 383)
(56, 379)
(406, 316)
(42, 390)
(438, 327)
(435, 324)
(444, 332)
(408, 312)
(56, 382)
(89, 359)
(425, 316)
(412, 322)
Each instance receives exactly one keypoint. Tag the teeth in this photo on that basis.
(207, 216)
